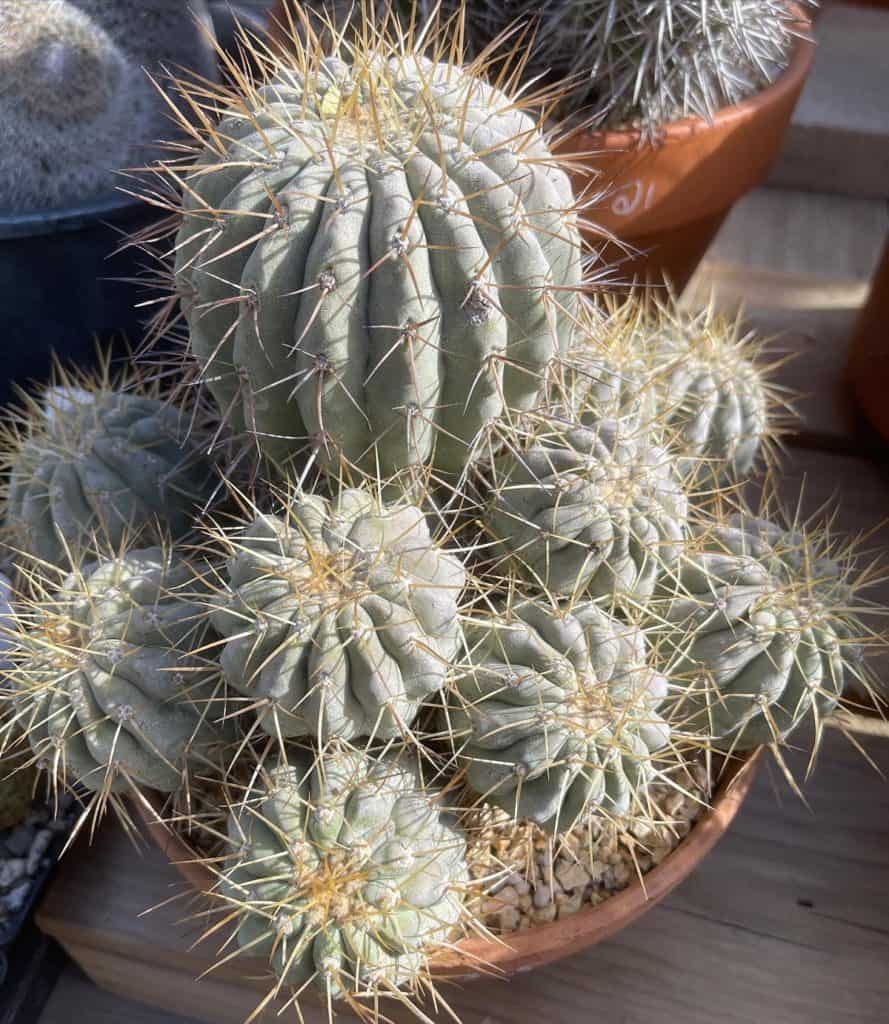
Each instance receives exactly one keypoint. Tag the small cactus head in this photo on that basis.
(696, 381)
(579, 510)
(96, 458)
(109, 683)
(554, 715)
(764, 628)
(339, 617)
(344, 872)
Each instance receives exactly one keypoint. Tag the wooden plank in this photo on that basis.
(838, 140)
(77, 997)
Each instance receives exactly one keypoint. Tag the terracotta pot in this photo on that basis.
(668, 202)
(520, 951)
(869, 351)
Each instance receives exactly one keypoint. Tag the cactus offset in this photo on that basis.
(578, 509)
(97, 460)
(76, 104)
(339, 617)
(343, 873)
(109, 684)
(696, 380)
(555, 716)
(377, 252)
(763, 624)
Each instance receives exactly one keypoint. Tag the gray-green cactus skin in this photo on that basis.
(380, 291)
(556, 715)
(714, 414)
(340, 618)
(346, 873)
(588, 509)
(757, 657)
(102, 465)
(110, 689)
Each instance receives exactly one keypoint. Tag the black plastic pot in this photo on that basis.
(61, 287)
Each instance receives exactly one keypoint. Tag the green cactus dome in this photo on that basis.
(377, 256)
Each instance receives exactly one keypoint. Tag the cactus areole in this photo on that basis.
(376, 256)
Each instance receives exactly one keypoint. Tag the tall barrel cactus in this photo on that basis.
(763, 642)
(584, 509)
(377, 252)
(76, 103)
(344, 874)
(90, 463)
(110, 685)
(555, 716)
(339, 617)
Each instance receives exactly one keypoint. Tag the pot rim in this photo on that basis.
(801, 57)
(58, 219)
(521, 950)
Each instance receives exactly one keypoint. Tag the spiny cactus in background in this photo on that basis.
(377, 252)
(76, 104)
(645, 63)
(344, 873)
(555, 715)
(97, 459)
(578, 509)
(109, 682)
(339, 617)
(697, 379)
(762, 627)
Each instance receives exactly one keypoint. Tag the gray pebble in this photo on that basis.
(542, 896)
(18, 842)
(17, 897)
(11, 871)
(38, 850)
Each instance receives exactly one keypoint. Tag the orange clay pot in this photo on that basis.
(667, 202)
(868, 369)
(520, 951)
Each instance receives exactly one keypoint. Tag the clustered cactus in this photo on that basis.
(484, 545)
(76, 105)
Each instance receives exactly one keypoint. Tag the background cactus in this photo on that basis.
(110, 686)
(377, 252)
(761, 643)
(89, 462)
(555, 716)
(345, 873)
(644, 63)
(585, 509)
(76, 104)
(339, 617)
